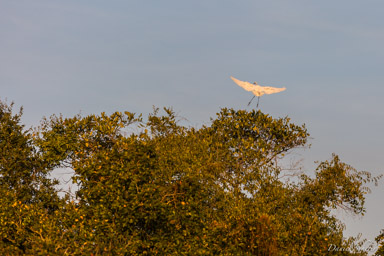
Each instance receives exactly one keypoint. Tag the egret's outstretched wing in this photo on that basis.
(270, 90)
(245, 85)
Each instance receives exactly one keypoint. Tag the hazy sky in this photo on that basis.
(92, 56)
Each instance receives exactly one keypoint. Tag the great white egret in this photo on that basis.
(256, 89)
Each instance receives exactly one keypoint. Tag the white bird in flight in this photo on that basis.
(256, 89)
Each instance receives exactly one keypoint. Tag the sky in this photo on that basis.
(88, 57)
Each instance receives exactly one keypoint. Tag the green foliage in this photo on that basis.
(380, 240)
(28, 195)
(169, 190)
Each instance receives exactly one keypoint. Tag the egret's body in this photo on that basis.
(256, 89)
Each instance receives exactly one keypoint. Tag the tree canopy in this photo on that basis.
(152, 186)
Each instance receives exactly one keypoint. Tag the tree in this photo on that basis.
(28, 194)
(167, 189)
(380, 240)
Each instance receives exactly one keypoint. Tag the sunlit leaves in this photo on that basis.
(157, 188)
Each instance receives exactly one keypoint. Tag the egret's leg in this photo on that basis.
(251, 100)
(258, 99)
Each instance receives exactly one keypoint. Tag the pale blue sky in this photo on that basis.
(93, 56)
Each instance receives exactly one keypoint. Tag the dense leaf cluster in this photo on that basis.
(154, 187)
